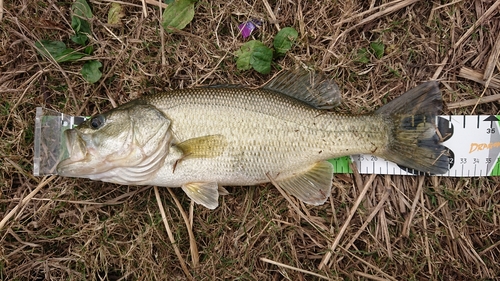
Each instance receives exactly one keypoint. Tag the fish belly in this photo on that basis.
(264, 140)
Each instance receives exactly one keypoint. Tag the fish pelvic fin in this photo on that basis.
(312, 186)
(203, 193)
(413, 141)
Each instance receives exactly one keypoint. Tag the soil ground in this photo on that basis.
(404, 227)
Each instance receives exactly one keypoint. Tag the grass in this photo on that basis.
(372, 228)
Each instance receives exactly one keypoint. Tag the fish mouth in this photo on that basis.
(76, 151)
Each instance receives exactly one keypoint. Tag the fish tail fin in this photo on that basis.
(413, 141)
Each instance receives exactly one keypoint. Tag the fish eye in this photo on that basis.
(97, 122)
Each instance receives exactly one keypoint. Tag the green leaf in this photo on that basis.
(69, 55)
(115, 13)
(88, 50)
(363, 56)
(79, 38)
(80, 25)
(378, 49)
(254, 54)
(80, 13)
(178, 14)
(168, 2)
(50, 48)
(261, 59)
(58, 51)
(244, 54)
(90, 71)
(284, 40)
(81, 9)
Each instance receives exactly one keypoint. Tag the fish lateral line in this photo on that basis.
(258, 136)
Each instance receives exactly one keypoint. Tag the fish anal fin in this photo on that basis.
(203, 193)
(203, 147)
(313, 88)
(312, 186)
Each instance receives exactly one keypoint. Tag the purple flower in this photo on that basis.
(248, 27)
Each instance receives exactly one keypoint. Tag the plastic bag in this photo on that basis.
(50, 146)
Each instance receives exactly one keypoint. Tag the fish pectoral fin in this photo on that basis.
(203, 193)
(203, 147)
(313, 186)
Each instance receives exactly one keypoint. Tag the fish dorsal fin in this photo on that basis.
(312, 88)
(203, 193)
(203, 147)
(313, 186)
(223, 86)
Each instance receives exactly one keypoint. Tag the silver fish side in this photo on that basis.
(204, 138)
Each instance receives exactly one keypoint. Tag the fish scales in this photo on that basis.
(266, 132)
(204, 138)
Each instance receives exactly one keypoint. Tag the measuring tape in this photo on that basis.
(473, 143)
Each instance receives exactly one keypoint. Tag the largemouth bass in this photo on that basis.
(204, 138)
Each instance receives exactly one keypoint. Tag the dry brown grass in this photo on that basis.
(379, 227)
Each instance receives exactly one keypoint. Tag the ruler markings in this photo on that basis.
(474, 145)
(473, 149)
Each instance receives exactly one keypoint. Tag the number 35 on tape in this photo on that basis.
(473, 143)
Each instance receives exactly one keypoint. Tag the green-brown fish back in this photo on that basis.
(203, 138)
